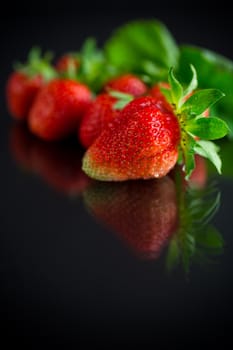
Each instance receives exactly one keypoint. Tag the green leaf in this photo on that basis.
(193, 83)
(137, 42)
(173, 254)
(209, 150)
(214, 71)
(123, 99)
(188, 144)
(94, 69)
(176, 88)
(210, 239)
(208, 128)
(38, 64)
(201, 100)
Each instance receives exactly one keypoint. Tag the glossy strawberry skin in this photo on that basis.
(21, 91)
(141, 144)
(143, 214)
(127, 83)
(58, 109)
(99, 114)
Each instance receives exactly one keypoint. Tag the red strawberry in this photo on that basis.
(21, 91)
(24, 83)
(100, 114)
(66, 62)
(142, 213)
(127, 83)
(58, 109)
(141, 143)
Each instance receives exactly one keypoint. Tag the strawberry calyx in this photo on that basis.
(38, 64)
(197, 132)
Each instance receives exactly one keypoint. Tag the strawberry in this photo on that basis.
(20, 93)
(144, 141)
(58, 109)
(141, 143)
(24, 83)
(142, 213)
(100, 114)
(127, 83)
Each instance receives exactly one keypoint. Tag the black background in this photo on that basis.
(65, 278)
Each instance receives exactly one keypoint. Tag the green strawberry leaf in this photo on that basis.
(38, 64)
(209, 150)
(193, 124)
(200, 101)
(193, 83)
(143, 46)
(122, 98)
(214, 71)
(210, 239)
(94, 69)
(208, 128)
(176, 88)
(187, 145)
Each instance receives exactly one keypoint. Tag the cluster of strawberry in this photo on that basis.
(131, 130)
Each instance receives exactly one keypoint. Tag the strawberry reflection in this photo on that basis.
(168, 214)
(142, 213)
(57, 164)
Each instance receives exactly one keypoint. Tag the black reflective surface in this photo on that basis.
(90, 263)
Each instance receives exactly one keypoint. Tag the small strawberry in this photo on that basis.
(99, 114)
(144, 141)
(58, 109)
(24, 83)
(127, 83)
(143, 214)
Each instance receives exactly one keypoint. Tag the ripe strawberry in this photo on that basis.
(142, 213)
(58, 108)
(67, 62)
(99, 114)
(141, 143)
(128, 83)
(21, 91)
(24, 83)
